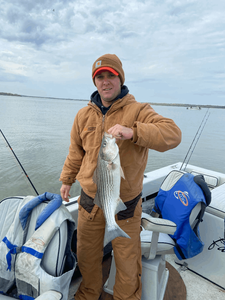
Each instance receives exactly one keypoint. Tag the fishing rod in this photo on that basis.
(196, 138)
(18, 162)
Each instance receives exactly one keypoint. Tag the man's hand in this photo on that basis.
(65, 189)
(121, 132)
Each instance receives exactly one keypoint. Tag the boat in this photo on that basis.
(194, 107)
(199, 277)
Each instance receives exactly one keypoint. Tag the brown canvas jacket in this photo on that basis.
(151, 131)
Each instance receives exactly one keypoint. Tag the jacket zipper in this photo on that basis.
(103, 117)
(103, 122)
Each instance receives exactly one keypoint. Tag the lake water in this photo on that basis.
(38, 130)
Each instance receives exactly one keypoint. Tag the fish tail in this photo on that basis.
(111, 234)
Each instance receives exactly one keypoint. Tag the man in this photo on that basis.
(137, 128)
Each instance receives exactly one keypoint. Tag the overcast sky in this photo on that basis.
(172, 51)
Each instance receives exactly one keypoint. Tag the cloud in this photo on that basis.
(174, 43)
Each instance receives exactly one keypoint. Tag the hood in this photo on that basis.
(95, 98)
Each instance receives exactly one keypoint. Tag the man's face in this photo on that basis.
(108, 86)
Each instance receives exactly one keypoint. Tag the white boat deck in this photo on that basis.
(198, 288)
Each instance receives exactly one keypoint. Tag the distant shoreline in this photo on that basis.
(192, 106)
(17, 95)
(9, 94)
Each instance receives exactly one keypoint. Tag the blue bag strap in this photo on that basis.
(32, 252)
(13, 249)
(55, 203)
(25, 297)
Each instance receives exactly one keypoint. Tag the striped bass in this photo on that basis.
(107, 177)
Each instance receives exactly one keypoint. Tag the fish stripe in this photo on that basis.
(107, 178)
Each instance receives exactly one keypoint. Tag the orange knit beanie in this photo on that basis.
(108, 62)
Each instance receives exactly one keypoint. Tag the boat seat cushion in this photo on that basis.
(53, 259)
(165, 242)
(211, 181)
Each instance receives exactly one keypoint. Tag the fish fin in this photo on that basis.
(121, 173)
(111, 166)
(97, 200)
(120, 206)
(116, 231)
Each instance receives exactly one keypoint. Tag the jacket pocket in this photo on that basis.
(90, 137)
(86, 202)
(129, 212)
(87, 206)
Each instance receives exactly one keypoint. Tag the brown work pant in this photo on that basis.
(127, 254)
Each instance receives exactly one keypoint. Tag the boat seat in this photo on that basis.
(156, 242)
(155, 239)
(212, 181)
(58, 262)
